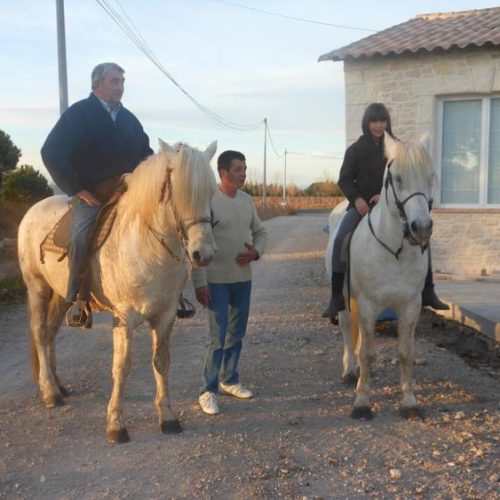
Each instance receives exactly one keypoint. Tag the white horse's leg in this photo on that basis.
(161, 329)
(116, 431)
(406, 328)
(361, 408)
(42, 352)
(54, 320)
(349, 376)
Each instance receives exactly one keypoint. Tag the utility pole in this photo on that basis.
(284, 182)
(265, 161)
(61, 57)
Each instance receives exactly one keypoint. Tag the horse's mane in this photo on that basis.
(192, 182)
(412, 163)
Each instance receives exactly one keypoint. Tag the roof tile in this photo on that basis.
(427, 32)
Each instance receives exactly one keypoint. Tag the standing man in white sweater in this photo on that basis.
(224, 286)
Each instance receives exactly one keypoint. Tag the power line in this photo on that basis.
(314, 156)
(134, 35)
(271, 141)
(302, 19)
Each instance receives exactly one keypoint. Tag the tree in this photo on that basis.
(323, 188)
(9, 154)
(25, 185)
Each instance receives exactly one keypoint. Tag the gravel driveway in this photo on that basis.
(295, 439)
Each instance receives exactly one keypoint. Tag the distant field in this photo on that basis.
(299, 202)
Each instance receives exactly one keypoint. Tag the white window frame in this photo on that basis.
(485, 142)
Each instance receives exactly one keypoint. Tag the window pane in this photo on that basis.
(461, 151)
(494, 153)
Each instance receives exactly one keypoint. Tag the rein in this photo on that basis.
(402, 214)
(181, 227)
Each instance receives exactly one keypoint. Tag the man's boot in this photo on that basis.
(337, 302)
(429, 297)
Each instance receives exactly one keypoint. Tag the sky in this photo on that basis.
(241, 64)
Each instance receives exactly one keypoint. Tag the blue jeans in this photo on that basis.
(348, 224)
(227, 320)
(84, 216)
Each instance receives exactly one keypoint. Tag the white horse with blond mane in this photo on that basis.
(162, 221)
(388, 265)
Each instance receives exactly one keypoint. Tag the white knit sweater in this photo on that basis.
(235, 223)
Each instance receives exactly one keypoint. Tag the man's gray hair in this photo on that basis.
(99, 72)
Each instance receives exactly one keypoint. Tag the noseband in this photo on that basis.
(181, 226)
(402, 214)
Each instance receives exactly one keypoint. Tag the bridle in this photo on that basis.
(181, 227)
(402, 214)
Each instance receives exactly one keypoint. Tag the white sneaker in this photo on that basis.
(208, 403)
(236, 390)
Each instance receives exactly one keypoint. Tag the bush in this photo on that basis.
(9, 154)
(25, 185)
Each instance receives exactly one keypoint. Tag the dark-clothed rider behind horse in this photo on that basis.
(94, 142)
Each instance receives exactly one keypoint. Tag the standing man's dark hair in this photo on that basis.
(225, 159)
(94, 142)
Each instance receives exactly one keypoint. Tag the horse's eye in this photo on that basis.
(399, 180)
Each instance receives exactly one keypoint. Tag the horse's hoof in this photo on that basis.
(64, 392)
(349, 379)
(171, 427)
(56, 400)
(412, 413)
(362, 413)
(117, 437)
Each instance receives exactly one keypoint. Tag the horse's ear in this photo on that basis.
(165, 147)
(211, 149)
(425, 140)
(390, 146)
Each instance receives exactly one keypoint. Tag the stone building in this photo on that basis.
(440, 73)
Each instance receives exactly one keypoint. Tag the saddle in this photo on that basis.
(57, 239)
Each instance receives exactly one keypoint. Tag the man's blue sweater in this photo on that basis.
(86, 146)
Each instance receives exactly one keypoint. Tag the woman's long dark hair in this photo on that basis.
(373, 113)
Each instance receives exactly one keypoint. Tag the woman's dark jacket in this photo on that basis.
(86, 146)
(362, 171)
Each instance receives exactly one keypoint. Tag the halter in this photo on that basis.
(181, 226)
(402, 214)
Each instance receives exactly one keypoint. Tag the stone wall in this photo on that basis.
(410, 86)
(464, 241)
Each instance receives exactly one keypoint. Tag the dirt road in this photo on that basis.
(295, 439)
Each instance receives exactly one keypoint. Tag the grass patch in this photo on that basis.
(12, 289)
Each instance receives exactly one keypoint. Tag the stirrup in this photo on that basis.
(186, 308)
(79, 315)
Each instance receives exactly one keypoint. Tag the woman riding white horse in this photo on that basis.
(162, 221)
(387, 268)
(360, 180)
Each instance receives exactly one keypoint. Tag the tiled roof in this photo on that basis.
(445, 31)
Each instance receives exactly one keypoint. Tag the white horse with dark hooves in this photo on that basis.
(162, 223)
(388, 265)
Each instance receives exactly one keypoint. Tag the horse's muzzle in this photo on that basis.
(198, 261)
(420, 234)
